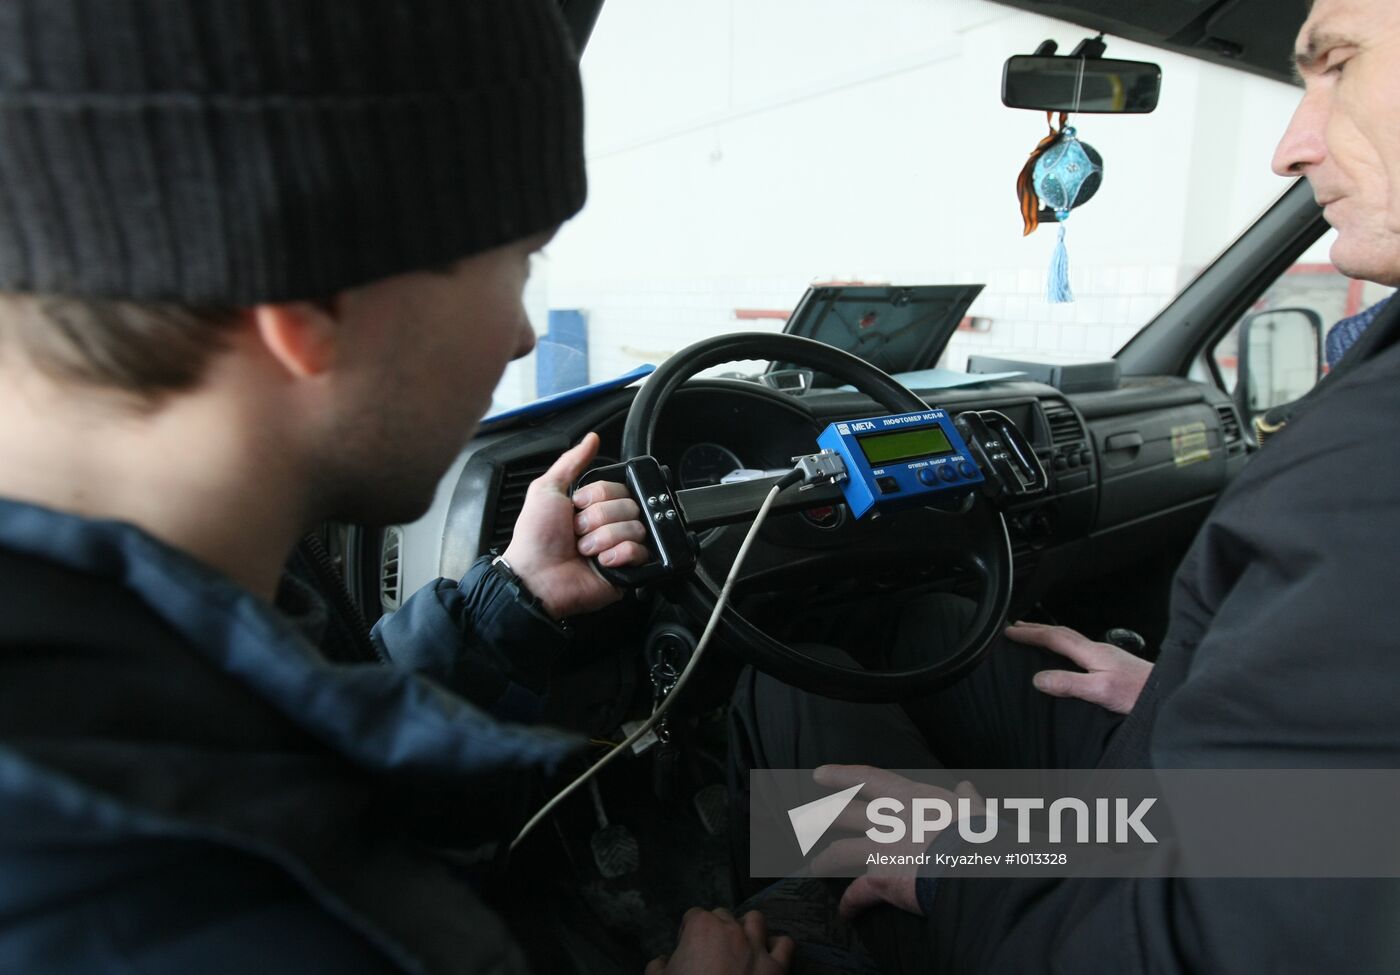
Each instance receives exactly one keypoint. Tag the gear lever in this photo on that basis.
(1126, 639)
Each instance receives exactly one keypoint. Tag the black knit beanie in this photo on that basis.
(235, 151)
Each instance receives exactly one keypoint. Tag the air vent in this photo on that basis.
(1230, 422)
(1064, 424)
(391, 569)
(511, 498)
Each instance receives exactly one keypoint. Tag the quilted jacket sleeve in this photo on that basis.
(476, 638)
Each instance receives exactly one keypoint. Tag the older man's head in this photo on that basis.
(1345, 136)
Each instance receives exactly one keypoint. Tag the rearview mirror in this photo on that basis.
(1280, 358)
(1081, 85)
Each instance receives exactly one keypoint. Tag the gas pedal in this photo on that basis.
(712, 806)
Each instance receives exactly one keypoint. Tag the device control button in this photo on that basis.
(888, 485)
(948, 472)
(1061, 462)
(1073, 460)
(927, 476)
(967, 470)
(1085, 457)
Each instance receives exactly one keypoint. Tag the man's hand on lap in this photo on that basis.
(1113, 677)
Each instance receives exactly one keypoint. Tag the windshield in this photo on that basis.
(740, 152)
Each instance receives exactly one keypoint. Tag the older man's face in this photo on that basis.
(1345, 136)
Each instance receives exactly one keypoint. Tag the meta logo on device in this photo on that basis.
(863, 426)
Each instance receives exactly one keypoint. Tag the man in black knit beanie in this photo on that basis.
(261, 265)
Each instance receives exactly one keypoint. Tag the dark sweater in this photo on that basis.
(1283, 652)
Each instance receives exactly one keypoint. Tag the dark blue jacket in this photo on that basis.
(188, 785)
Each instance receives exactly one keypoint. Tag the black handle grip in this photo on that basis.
(669, 540)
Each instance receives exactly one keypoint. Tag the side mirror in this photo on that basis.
(1280, 358)
(1081, 85)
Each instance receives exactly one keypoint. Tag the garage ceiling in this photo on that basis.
(1253, 35)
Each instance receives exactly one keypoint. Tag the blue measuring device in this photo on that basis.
(901, 461)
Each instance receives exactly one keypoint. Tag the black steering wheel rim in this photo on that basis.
(697, 592)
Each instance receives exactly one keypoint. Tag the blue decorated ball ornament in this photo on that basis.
(1068, 174)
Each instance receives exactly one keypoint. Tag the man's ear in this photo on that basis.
(299, 335)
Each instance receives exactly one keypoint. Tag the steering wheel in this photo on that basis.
(987, 553)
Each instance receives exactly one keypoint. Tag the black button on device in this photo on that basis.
(1073, 460)
(1085, 457)
(888, 485)
(1061, 462)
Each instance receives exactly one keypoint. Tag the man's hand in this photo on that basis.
(713, 942)
(554, 539)
(1114, 677)
(894, 885)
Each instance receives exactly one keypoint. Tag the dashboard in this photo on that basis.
(1132, 470)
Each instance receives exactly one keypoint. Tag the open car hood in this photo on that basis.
(896, 328)
(1252, 35)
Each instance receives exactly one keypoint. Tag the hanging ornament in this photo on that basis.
(1062, 173)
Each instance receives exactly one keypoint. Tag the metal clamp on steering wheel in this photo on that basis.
(1012, 470)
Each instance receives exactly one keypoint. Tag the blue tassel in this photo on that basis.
(1058, 290)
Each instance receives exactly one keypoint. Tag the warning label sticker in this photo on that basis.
(1189, 444)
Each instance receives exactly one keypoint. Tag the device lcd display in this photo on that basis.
(886, 448)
